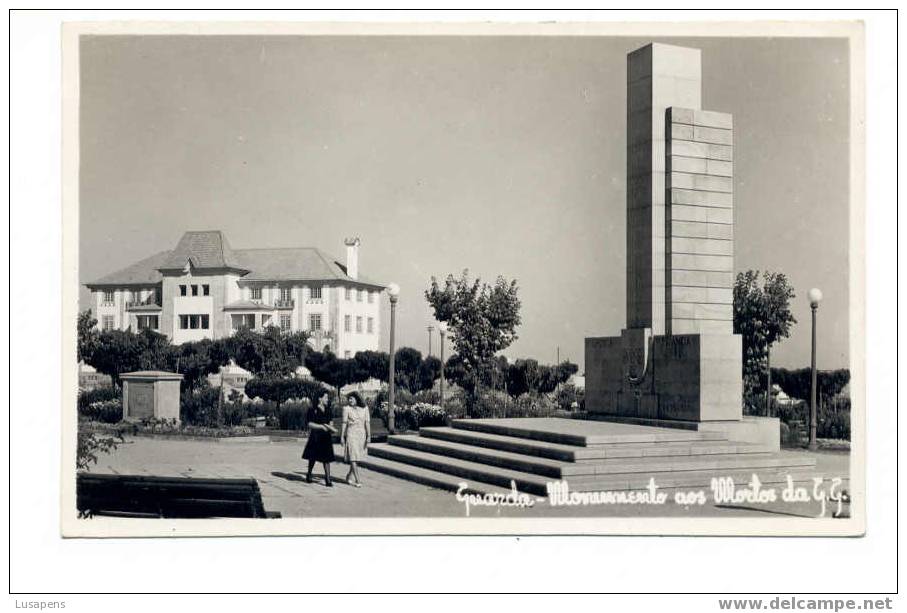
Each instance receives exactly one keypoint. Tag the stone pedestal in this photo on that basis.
(687, 377)
(151, 394)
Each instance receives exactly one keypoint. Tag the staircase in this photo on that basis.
(488, 454)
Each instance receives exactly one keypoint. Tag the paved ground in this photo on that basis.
(280, 472)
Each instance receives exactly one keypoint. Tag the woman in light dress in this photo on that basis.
(355, 435)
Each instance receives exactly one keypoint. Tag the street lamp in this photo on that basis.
(442, 330)
(430, 330)
(393, 290)
(815, 297)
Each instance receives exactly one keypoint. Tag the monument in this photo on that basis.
(151, 394)
(677, 362)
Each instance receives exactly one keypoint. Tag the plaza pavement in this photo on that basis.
(280, 472)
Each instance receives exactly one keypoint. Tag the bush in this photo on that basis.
(567, 395)
(200, 408)
(492, 403)
(106, 411)
(414, 416)
(832, 419)
(87, 397)
(533, 405)
(402, 397)
(427, 397)
(292, 415)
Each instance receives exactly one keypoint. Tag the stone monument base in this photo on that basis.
(689, 377)
(764, 431)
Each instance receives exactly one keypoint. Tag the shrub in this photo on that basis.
(402, 397)
(832, 419)
(492, 403)
(201, 407)
(427, 397)
(106, 411)
(87, 397)
(533, 405)
(292, 415)
(414, 416)
(567, 395)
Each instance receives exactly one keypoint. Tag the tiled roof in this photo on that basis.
(211, 250)
(294, 264)
(143, 272)
(206, 249)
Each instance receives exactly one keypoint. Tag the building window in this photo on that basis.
(194, 322)
(346, 323)
(108, 296)
(246, 320)
(358, 324)
(206, 290)
(370, 325)
(346, 294)
(358, 295)
(286, 293)
(107, 323)
(182, 290)
(195, 290)
(285, 323)
(371, 297)
(148, 322)
(256, 293)
(315, 322)
(315, 292)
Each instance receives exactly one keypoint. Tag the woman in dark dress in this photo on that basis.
(320, 447)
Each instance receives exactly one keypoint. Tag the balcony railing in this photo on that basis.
(136, 305)
(284, 304)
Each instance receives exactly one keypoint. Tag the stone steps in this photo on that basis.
(426, 476)
(439, 477)
(464, 469)
(574, 436)
(558, 469)
(574, 453)
(491, 454)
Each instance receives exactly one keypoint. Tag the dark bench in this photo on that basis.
(168, 497)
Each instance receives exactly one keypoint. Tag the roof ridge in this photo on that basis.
(274, 248)
(328, 263)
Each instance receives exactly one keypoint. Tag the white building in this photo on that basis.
(205, 289)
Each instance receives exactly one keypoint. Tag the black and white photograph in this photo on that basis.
(498, 282)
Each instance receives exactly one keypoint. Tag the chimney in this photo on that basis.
(352, 257)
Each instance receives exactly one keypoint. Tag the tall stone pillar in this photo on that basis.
(678, 359)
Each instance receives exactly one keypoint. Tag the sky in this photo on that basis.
(500, 155)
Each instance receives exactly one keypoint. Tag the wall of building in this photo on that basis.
(353, 341)
(226, 288)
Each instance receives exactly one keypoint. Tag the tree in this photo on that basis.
(429, 372)
(762, 317)
(796, 383)
(280, 390)
(374, 364)
(269, 354)
(328, 368)
(87, 336)
(407, 362)
(120, 351)
(195, 360)
(482, 320)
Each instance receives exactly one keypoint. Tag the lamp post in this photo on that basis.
(393, 290)
(430, 330)
(442, 330)
(815, 297)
